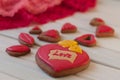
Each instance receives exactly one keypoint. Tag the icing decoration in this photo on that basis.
(75, 48)
(86, 39)
(68, 26)
(67, 43)
(71, 44)
(26, 38)
(104, 31)
(60, 58)
(18, 48)
(62, 55)
(52, 33)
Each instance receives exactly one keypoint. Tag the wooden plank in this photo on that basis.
(21, 71)
(4, 76)
(102, 72)
(94, 71)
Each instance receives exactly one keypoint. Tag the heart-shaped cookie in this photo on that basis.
(58, 61)
(26, 39)
(50, 36)
(97, 22)
(86, 40)
(68, 28)
(104, 31)
(35, 30)
(18, 50)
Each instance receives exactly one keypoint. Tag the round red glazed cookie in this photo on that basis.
(59, 61)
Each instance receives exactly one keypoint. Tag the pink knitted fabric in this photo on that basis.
(10, 7)
(20, 19)
(80, 5)
(39, 6)
(51, 12)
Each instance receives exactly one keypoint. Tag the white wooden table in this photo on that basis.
(105, 57)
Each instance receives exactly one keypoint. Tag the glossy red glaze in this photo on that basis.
(36, 28)
(104, 29)
(99, 20)
(18, 48)
(26, 38)
(52, 33)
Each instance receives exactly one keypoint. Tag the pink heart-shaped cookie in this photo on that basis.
(104, 31)
(59, 61)
(68, 28)
(50, 36)
(86, 40)
(18, 50)
(26, 39)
